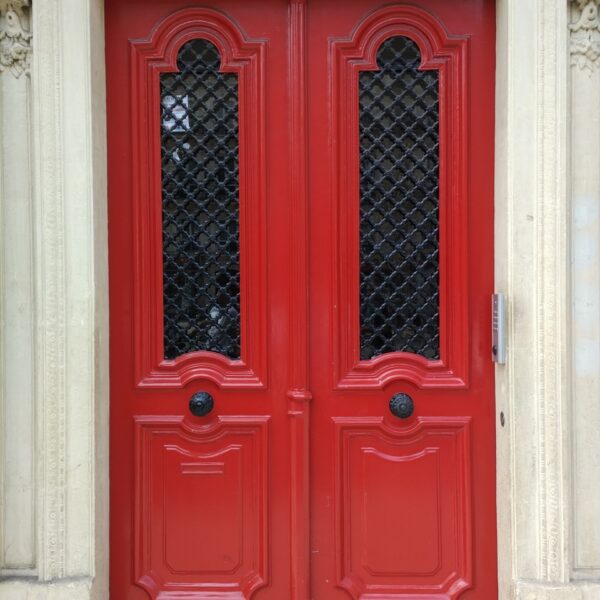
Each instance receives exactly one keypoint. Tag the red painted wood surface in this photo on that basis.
(300, 484)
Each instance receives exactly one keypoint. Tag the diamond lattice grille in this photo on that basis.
(200, 187)
(399, 191)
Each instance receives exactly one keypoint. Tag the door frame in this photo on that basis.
(70, 274)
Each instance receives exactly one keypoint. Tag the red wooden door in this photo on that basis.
(301, 261)
(401, 508)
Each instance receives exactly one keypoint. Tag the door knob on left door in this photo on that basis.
(201, 403)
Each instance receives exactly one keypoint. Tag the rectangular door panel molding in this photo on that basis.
(201, 511)
(195, 229)
(403, 496)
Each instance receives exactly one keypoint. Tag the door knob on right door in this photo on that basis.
(402, 406)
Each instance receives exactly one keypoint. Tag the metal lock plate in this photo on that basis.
(499, 328)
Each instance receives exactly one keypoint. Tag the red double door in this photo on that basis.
(301, 263)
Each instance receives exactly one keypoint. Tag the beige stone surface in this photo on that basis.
(66, 268)
(548, 450)
(17, 364)
(532, 268)
(585, 278)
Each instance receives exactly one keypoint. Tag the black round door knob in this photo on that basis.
(402, 406)
(201, 403)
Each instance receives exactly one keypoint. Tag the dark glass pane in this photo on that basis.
(200, 187)
(399, 200)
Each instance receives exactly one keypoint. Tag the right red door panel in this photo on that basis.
(401, 133)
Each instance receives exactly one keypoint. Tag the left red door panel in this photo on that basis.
(192, 509)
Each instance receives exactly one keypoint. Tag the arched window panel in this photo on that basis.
(400, 190)
(200, 204)
(199, 239)
(399, 204)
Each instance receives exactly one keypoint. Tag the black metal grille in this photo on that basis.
(399, 190)
(200, 187)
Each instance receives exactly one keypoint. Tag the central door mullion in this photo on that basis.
(299, 395)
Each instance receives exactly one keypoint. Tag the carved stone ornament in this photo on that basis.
(585, 34)
(15, 37)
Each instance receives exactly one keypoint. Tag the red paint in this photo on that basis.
(300, 484)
